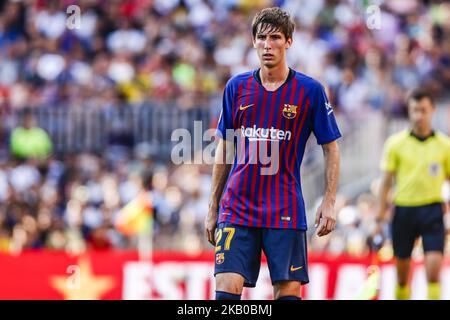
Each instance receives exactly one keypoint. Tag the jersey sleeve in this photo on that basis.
(225, 119)
(389, 157)
(324, 123)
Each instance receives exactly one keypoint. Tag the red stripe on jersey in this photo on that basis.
(278, 174)
(236, 177)
(260, 192)
(247, 99)
(252, 199)
(305, 115)
(268, 207)
(290, 157)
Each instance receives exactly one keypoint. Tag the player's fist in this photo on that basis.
(210, 226)
(325, 219)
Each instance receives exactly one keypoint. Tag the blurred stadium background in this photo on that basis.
(108, 96)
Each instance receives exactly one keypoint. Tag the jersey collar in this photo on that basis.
(258, 78)
(422, 139)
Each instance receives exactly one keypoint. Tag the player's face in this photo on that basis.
(271, 46)
(421, 112)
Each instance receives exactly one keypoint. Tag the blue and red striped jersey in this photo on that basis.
(270, 130)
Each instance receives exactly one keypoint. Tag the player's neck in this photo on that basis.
(422, 132)
(272, 77)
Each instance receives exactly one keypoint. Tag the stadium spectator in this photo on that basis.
(150, 50)
(29, 140)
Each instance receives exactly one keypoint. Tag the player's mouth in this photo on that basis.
(268, 56)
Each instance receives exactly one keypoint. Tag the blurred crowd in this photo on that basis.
(354, 233)
(124, 53)
(73, 203)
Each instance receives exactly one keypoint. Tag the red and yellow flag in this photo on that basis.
(136, 216)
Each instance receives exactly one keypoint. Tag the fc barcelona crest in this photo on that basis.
(220, 258)
(289, 111)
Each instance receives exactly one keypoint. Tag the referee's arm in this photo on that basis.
(447, 211)
(388, 165)
(385, 187)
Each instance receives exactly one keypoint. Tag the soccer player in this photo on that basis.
(273, 108)
(419, 160)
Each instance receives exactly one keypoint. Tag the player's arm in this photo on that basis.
(447, 204)
(385, 187)
(326, 215)
(388, 166)
(221, 169)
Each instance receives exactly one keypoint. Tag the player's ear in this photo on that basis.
(288, 43)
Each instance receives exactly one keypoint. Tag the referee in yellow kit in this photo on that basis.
(419, 160)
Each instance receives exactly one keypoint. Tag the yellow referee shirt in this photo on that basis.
(420, 167)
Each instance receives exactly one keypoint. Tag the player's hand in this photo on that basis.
(378, 229)
(325, 219)
(210, 226)
(379, 223)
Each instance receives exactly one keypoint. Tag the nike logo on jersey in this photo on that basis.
(295, 269)
(241, 107)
